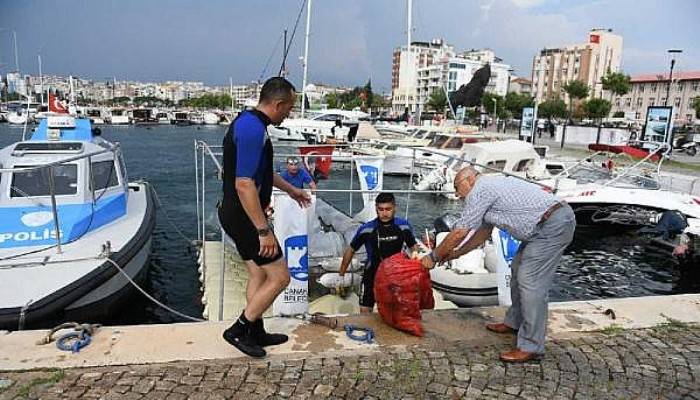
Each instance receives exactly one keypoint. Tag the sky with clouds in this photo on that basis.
(351, 40)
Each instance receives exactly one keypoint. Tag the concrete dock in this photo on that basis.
(650, 350)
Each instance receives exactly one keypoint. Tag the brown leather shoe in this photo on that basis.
(500, 328)
(519, 356)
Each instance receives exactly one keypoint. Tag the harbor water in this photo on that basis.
(597, 264)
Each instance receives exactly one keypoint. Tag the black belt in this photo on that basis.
(554, 207)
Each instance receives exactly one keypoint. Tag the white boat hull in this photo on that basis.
(77, 283)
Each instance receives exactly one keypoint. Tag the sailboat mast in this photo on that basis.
(230, 91)
(409, 56)
(14, 35)
(306, 58)
(41, 81)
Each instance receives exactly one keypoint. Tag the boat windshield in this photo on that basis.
(35, 182)
(586, 174)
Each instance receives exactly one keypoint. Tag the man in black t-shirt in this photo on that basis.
(382, 237)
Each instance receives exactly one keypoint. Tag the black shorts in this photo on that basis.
(240, 228)
(367, 295)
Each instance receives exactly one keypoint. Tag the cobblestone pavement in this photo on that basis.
(663, 362)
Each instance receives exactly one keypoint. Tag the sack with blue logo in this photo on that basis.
(401, 289)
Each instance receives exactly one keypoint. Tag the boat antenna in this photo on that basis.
(291, 39)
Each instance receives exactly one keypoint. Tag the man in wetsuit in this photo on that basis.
(382, 237)
(248, 177)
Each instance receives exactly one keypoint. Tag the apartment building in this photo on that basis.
(587, 62)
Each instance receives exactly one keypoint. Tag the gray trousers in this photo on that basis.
(533, 269)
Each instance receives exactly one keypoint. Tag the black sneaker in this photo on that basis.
(267, 339)
(244, 341)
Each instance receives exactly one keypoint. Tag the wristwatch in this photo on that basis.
(264, 231)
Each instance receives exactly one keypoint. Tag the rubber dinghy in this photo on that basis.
(67, 215)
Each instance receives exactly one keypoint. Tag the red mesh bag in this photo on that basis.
(401, 289)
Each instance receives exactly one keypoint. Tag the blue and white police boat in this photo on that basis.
(69, 221)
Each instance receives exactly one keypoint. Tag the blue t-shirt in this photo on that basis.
(297, 180)
(250, 138)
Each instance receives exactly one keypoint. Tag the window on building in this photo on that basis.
(617, 102)
(679, 87)
(639, 102)
(641, 88)
(677, 102)
(695, 86)
(628, 102)
(663, 100)
(653, 87)
(457, 66)
(651, 101)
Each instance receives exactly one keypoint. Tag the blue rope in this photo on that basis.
(368, 337)
(79, 340)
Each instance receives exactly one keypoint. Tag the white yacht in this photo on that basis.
(118, 116)
(67, 213)
(515, 157)
(334, 126)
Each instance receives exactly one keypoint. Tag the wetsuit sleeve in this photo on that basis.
(359, 239)
(250, 140)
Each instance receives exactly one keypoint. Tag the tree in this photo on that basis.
(576, 90)
(437, 101)
(597, 108)
(487, 103)
(514, 103)
(367, 95)
(554, 108)
(616, 83)
(332, 100)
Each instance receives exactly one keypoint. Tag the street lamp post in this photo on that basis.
(673, 52)
(495, 116)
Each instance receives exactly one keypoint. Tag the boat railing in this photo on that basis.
(205, 153)
(114, 148)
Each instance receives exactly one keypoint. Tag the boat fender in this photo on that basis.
(74, 341)
(368, 336)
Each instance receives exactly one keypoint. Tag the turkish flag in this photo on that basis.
(56, 106)
(595, 38)
(317, 159)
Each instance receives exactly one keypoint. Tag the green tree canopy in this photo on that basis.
(487, 103)
(208, 101)
(618, 84)
(437, 101)
(576, 90)
(597, 108)
(553, 108)
(362, 97)
(514, 103)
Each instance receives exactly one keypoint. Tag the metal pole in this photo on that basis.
(534, 123)
(410, 181)
(409, 56)
(230, 91)
(204, 217)
(670, 80)
(41, 81)
(352, 176)
(283, 72)
(196, 182)
(306, 58)
(54, 210)
(14, 35)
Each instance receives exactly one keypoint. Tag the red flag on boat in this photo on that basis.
(317, 159)
(56, 106)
